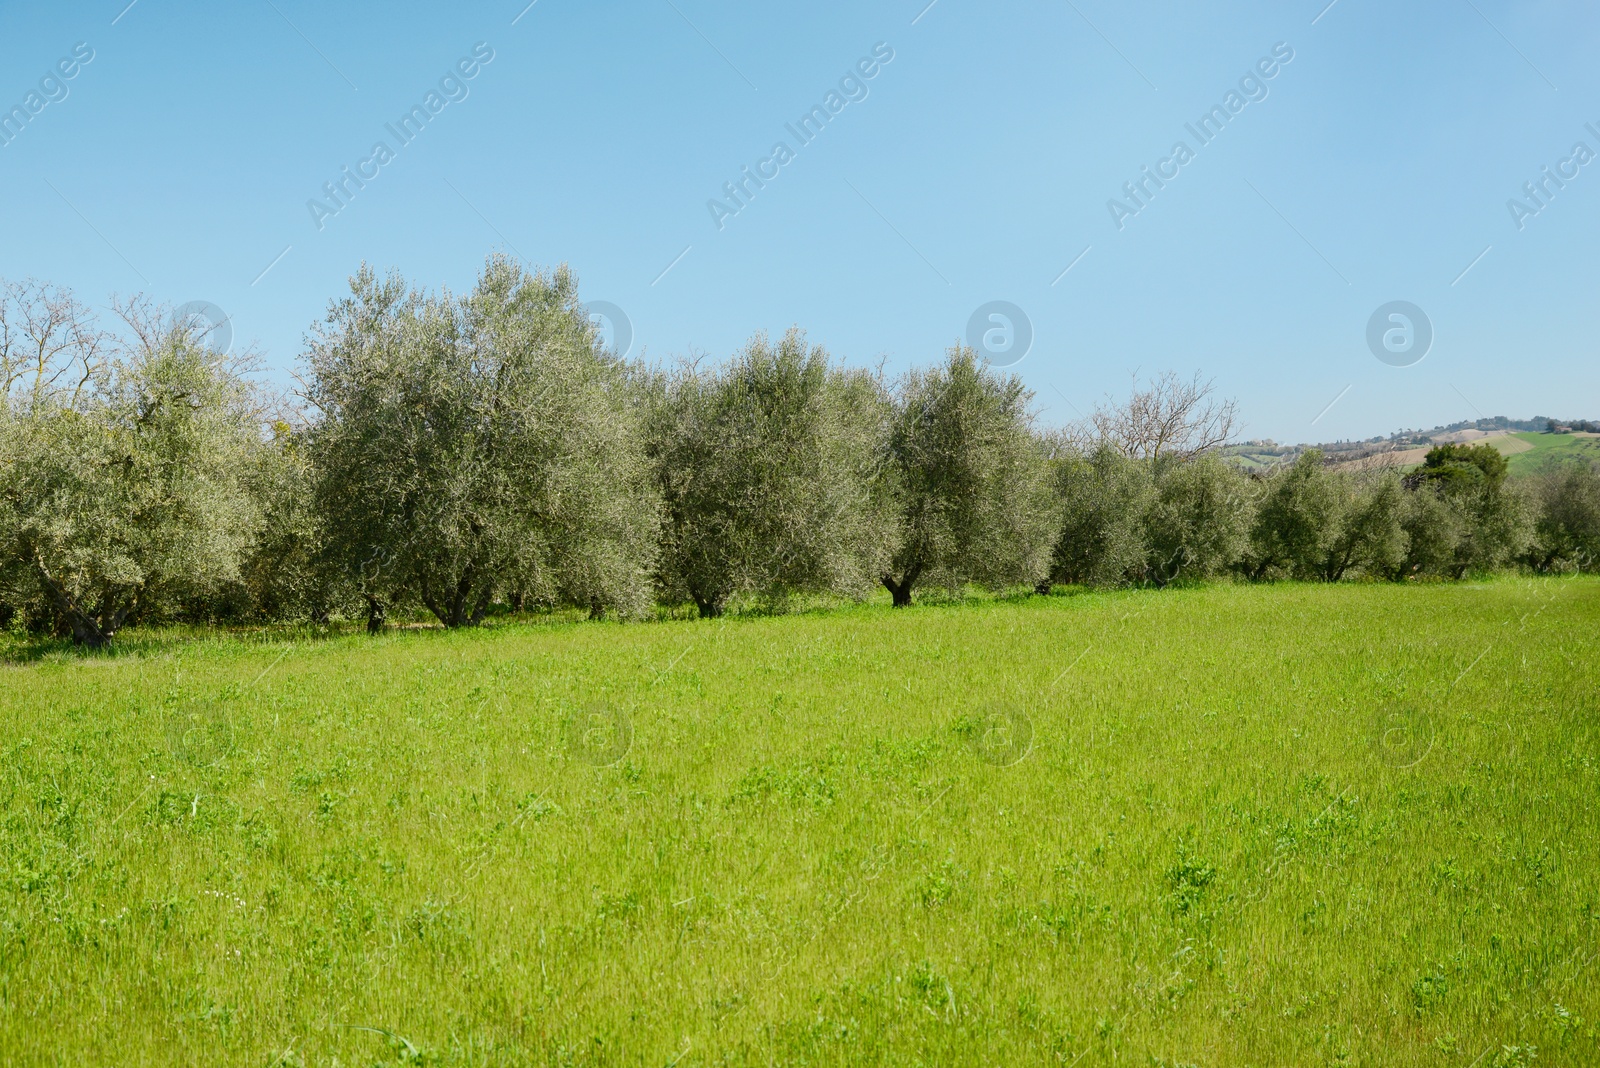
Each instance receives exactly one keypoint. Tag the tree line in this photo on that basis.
(467, 454)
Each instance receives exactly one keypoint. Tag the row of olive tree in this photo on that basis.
(1127, 518)
(487, 449)
(784, 473)
(459, 453)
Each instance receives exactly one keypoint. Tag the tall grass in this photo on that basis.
(1240, 825)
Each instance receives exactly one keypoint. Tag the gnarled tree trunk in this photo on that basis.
(94, 627)
(900, 589)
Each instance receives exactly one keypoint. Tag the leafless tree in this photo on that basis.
(51, 347)
(1169, 417)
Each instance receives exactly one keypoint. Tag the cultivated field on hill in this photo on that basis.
(1545, 449)
(1286, 824)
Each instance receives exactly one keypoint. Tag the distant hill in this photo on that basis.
(1531, 443)
(1546, 449)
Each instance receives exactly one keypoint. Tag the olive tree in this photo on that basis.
(1101, 500)
(1369, 537)
(283, 575)
(761, 467)
(474, 447)
(1490, 521)
(1432, 530)
(1297, 519)
(123, 455)
(1567, 530)
(1198, 525)
(1315, 522)
(968, 481)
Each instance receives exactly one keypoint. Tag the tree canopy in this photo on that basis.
(479, 446)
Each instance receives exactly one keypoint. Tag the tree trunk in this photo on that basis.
(485, 599)
(93, 630)
(87, 634)
(377, 613)
(900, 589)
(457, 616)
(458, 610)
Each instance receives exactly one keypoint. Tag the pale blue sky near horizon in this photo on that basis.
(976, 165)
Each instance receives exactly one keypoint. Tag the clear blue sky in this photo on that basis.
(977, 167)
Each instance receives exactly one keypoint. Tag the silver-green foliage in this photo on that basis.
(1314, 522)
(1369, 538)
(1568, 524)
(1198, 525)
(1103, 498)
(482, 446)
(968, 479)
(282, 576)
(764, 466)
(121, 463)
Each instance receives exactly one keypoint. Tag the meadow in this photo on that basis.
(1237, 825)
(1548, 449)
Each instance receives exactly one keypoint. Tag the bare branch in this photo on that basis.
(1168, 417)
(51, 346)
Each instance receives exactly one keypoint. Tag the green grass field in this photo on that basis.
(1553, 448)
(1286, 825)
